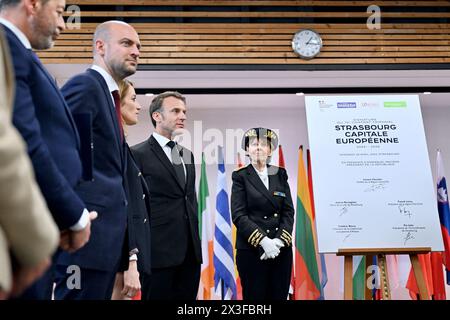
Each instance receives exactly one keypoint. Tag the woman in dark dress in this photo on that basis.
(135, 267)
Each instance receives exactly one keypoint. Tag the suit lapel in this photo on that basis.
(255, 180)
(111, 107)
(159, 152)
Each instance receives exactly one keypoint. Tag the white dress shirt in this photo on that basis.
(17, 32)
(110, 82)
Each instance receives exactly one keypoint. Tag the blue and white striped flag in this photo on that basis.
(224, 278)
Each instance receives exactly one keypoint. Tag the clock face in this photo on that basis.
(307, 43)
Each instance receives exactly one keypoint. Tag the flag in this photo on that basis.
(393, 271)
(359, 277)
(425, 265)
(322, 266)
(432, 262)
(281, 157)
(307, 282)
(376, 291)
(444, 212)
(281, 164)
(224, 277)
(206, 222)
(137, 296)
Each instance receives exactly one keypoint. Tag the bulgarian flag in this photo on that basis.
(359, 277)
(206, 228)
(307, 282)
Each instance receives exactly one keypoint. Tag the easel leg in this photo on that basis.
(348, 277)
(420, 279)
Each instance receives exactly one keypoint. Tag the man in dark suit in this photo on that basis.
(169, 171)
(43, 119)
(95, 93)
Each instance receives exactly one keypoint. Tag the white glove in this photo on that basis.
(270, 248)
(278, 243)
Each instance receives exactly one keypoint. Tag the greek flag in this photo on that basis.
(224, 277)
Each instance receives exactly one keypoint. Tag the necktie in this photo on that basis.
(176, 162)
(116, 97)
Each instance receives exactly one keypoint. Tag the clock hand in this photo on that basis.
(309, 40)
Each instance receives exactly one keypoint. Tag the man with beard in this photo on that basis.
(95, 92)
(43, 119)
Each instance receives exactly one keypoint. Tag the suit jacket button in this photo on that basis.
(265, 217)
(125, 202)
(275, 214)
(268, 231)
(145, 220)
(139, 174)
(143, 196)
(276, 229)
(186, 198)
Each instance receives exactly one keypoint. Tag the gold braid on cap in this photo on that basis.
(270, 135)
(251, 133)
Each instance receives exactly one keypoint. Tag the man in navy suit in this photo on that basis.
(95, 92)
(43, 119)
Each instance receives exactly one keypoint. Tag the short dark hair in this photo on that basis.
(13, 3)
(157, 102)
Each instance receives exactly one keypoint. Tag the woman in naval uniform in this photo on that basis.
(263, 213)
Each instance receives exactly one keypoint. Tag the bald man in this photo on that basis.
(89, 273)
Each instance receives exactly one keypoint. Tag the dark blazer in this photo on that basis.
(43, 119)
(138, 227)
(88, 93)
(174, 219)
(258, 212)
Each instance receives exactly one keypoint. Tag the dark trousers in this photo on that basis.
(94, 284)
(174, 283)
(264, 279)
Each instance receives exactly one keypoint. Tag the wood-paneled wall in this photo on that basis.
(208, 32)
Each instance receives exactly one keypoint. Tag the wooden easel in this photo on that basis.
(384, 279)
